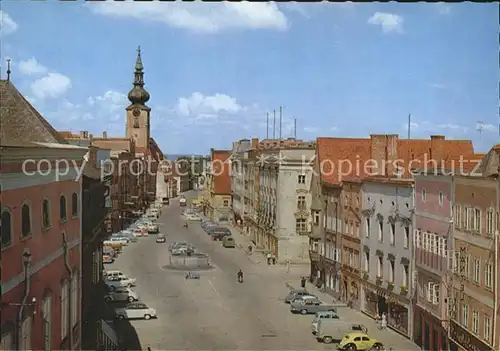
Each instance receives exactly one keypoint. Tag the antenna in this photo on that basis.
(8, 68)
(295, 128)
(267, 125)
(409, 126)
(281, 119)
(274, 124)
(479, 127)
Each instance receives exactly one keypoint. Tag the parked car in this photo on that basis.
(311, 306)
(218, 233)
(108, 250)
(228, 241)
(330, 330)
(182, 201)
(121, 294)
(161, 238)
(179, 244)
(153, 229)
(192, 217)
(130, 236)
(320, 316)
(135, 310)
(359, 341)
(296, 293)
(304, 298)
(115, 241)
(119, 282)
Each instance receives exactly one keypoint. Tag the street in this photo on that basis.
(216, 312)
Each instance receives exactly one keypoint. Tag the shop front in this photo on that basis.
(428, 332)
(462, 340)
(376, 301)
(351, 288)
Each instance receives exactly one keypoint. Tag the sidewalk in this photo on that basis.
(388, 337)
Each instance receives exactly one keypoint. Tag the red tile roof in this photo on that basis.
(220, 170)
(349, 158)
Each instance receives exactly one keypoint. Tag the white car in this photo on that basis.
(115, 240)
(193, 217)
(135, 310)
(122, 294)
(119, 282)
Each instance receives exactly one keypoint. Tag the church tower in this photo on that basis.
(138, 113)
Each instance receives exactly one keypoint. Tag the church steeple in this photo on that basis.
(138, 95)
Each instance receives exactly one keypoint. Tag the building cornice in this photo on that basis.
(12, 155)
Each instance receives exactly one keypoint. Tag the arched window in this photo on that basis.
(46, 214)
(25, 220)
(6, 228)
(62, 208)
(74, 205)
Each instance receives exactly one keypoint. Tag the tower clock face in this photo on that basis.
(136, 112)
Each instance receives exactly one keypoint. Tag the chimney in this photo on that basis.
(84, 134)
(104, 135)
(384, 151)
(255, 143)
(91, 138)
(437, 148)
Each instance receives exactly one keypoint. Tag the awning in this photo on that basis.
(109, 332)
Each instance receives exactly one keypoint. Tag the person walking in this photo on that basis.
(269, 257)
(288, 266)
(383, 322)
(303, 282)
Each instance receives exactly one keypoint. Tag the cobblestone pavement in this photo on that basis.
(215, 312)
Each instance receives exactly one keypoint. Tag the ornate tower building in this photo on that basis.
(138, 113)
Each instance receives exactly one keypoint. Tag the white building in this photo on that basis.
(285, 199)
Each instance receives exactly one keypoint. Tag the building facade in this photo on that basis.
(387, 251)
(433, 242)
(285, 199)
(41, 230)
(217, 196)
(474, 291)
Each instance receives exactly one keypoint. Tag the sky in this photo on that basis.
(215, 70)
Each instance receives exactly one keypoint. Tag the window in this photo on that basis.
(301, 202)
(25, 339)
(301, 179)
(430, 292)
(424, 195)
(418, 238)
(316, 218)
(391, 271)
(407, 237)
(62, 208)
(426, 241)
(380, 267)
(464, 266)
(465, 315)
(458, 216)
(64, 309)
(74, 205)
(435, 301)
(367, 261)
(336, 255)
(300, 225)
(136, 122)
(490, 224)
(469, 219)
(74, 299)
(367, 228)
(441, 198)
(6, 228)
(437, 241)
(487, 328)
(47, 323)
(393, 234)
(475, 322)
(25, 220)
(380, 231)
(477, 220)
(476, 273)
(226, 203)
(488, 276)
(46, 214)
(444, 247)
(406, 275)
(430, 238)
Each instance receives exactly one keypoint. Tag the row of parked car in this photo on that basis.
(218, 233)
(327, 326)
(144, 226)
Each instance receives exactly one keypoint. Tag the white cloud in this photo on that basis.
(438, 86)
(452, 127)
(7, 24)
(51, 86)
(198, 104)
(198, 17)
(32, 67)
(388, 21)
(310, 129)
(487, 127)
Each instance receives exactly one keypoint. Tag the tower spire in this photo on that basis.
(138, 95)
(8, 68)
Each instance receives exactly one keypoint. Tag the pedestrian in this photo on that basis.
(288, 266)
(268, 256)
(274, 258)
(383, 323)
(303, 282)
(249, 249)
